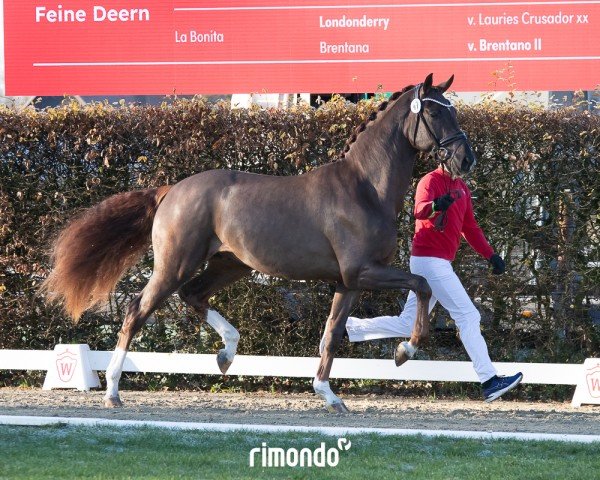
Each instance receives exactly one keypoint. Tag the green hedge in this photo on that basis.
(536, 185)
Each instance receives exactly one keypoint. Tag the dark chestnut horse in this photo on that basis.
(336, 223)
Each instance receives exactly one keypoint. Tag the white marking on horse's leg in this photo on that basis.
(322, 344)
(229, 335)
(113, 374)
(323, 389)
(410, 349)
(333, 403)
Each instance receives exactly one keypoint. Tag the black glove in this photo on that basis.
(441, 204)
(498, 264)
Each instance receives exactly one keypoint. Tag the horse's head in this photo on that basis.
(431, 126)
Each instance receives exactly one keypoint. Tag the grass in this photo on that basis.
(107, 452)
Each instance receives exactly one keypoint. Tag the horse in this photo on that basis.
(336, 223)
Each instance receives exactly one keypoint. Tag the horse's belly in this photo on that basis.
(303, 270)
(278, 259)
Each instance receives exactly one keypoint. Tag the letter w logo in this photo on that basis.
(65, 365)
(593, 382)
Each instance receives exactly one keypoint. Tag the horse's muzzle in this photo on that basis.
(469, 160)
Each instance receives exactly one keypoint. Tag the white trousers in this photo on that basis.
(448, 290)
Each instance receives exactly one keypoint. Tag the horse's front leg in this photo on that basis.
(343, 301)
(380, 277)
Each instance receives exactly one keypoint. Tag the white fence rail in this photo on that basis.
(263, 366)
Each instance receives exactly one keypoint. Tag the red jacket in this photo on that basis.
(429, 241)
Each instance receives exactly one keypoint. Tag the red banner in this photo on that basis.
(123, 47)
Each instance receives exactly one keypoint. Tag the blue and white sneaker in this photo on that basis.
(497, 386)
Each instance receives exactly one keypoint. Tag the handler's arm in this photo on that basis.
(424, 199)
(473, 234)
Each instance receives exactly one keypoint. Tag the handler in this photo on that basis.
(443, 212)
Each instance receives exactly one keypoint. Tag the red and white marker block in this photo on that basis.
(70, 368)
(588, 384)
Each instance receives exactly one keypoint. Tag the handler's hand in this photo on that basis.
(498, 264)
(441, 204)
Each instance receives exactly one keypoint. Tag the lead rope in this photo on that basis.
(442, 219)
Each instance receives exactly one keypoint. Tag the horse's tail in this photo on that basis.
(96, 249)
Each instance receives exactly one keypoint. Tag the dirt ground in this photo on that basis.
(305, 409)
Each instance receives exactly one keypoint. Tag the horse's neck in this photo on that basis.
(384, 157)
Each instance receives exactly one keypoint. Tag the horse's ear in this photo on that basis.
(442, 87)
(428, 83)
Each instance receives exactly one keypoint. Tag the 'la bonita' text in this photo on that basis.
(98, 14)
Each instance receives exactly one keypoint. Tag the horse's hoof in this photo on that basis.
(403, 353)
(337, 407)
(113, 402)
(223, 361)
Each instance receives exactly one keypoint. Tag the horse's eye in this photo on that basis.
(434, 113)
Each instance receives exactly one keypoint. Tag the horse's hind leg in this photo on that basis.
(343, 300)
(141, 307)
(223, 269)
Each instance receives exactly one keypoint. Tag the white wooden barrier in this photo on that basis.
(251, 365)
(75, 366)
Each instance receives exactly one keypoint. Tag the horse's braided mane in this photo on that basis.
(382, 107)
